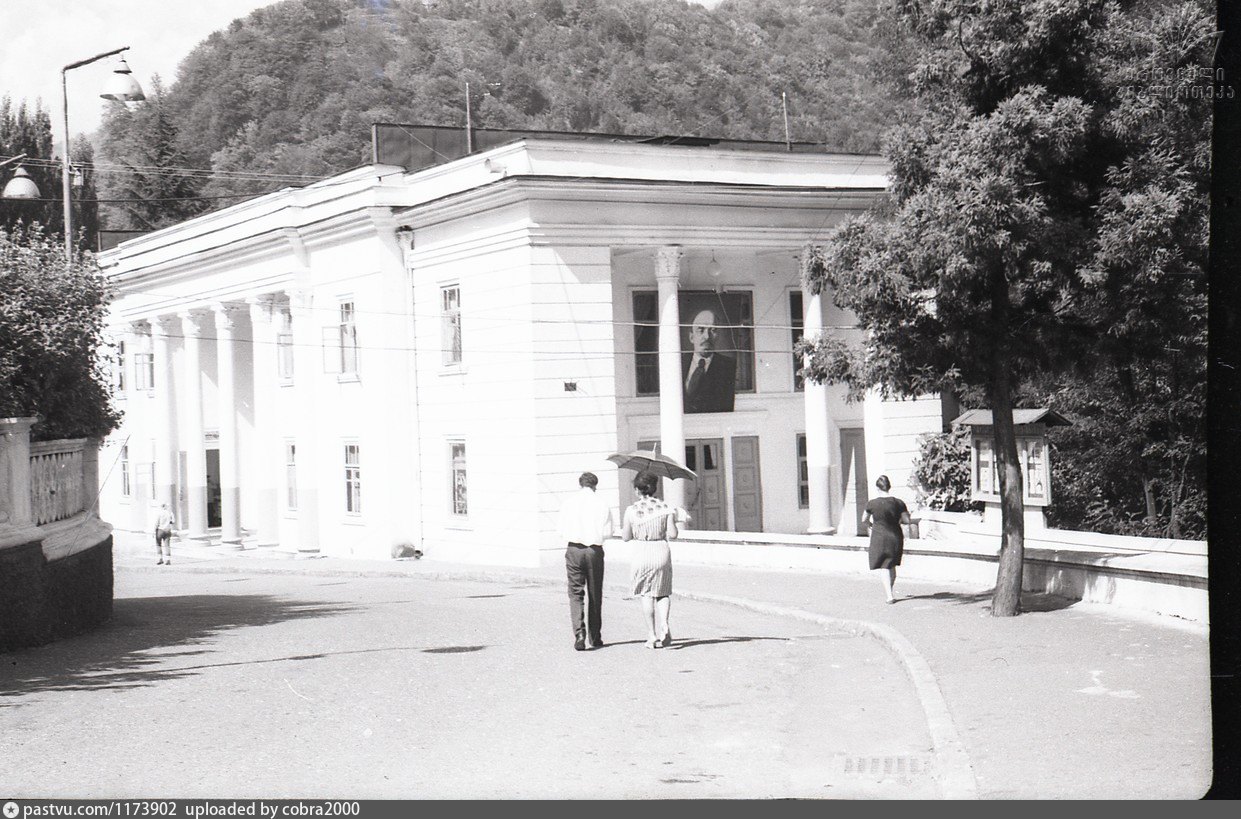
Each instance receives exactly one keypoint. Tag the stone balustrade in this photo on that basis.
(58, 488)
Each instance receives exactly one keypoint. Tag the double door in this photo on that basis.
(707, 498)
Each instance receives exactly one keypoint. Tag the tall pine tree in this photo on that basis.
(144, 175)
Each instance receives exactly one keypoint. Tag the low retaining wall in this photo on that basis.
(1170, 579)
(55, 582)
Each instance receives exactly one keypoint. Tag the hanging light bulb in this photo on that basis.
(714, 270)
(21, 186)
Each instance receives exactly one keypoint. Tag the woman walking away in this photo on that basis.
(653, 523)
(884, 515)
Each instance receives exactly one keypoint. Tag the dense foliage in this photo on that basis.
(1039, 230)
(29, 132)
(148, 178)
(941, 472)
(294, 88)
(51, 331)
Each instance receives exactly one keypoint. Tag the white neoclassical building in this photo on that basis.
(432, 357)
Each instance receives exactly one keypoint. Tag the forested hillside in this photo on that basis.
(293, 88)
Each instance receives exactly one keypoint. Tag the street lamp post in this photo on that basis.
(123, 88)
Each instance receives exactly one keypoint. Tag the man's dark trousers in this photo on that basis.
(584, 566)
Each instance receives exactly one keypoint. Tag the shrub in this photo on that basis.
(51, 328)
(941, 472)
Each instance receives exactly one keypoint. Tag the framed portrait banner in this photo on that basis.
(717, 347)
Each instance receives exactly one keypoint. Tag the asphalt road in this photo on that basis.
(250, 684)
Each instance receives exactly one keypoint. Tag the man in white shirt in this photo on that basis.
(585, 522)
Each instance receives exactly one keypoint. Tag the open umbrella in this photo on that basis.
(644, 461)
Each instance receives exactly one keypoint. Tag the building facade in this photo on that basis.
(433, 357)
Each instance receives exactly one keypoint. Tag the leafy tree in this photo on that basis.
(147, 179)
(30, 132)
(23, 131)
(1008, 173)
(51, 326)
(294, 88)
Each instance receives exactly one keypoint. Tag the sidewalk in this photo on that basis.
(1069, 700)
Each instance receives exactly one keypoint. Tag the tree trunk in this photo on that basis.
(1007, 599)
(1148, 492)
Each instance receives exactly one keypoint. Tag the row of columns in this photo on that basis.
(197, 327)
(671, 399)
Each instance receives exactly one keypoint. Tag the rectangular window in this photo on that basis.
(348, 339)
(353, 480)
(118, 375)
(457, 456)
(797, 323)
(450, 322)
(290, 476)
(646, 342)
(126, 488)
(986, 478)
(1036, 489)
(284, 356)
(144, 371)
(803, 473)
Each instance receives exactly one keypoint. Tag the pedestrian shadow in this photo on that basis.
(679, 644)
(130, 649)
(1031, 602)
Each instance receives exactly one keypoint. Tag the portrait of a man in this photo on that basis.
(709, 374)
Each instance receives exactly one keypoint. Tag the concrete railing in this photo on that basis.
(60, 486)
(1146, 574)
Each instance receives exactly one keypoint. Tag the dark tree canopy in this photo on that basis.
(293, 88)
(51, 334)
(1040, 233)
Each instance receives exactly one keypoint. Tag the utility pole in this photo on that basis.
(784, 103)
(469, 123)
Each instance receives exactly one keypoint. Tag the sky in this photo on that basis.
(49, 34)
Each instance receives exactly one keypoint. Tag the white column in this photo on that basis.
(671, 399)
(818, 442)
(165, 455)
(192, 418)
(307, 368)
(230, 490)
(263, 486)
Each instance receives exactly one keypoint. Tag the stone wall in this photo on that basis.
(43, 600)
(23, 596)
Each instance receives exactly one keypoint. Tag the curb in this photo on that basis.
(957, 777)
(957, 774)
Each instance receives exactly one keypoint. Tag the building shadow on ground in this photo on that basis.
(143, 636)
(1031, 602)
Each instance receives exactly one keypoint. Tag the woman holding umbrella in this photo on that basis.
(653, 523)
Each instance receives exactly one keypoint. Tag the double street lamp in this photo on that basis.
(121, 88)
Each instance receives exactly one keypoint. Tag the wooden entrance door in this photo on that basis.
(747, 499)
(214, 518)
(706, 457)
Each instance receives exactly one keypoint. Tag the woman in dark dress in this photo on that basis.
(884, 515)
